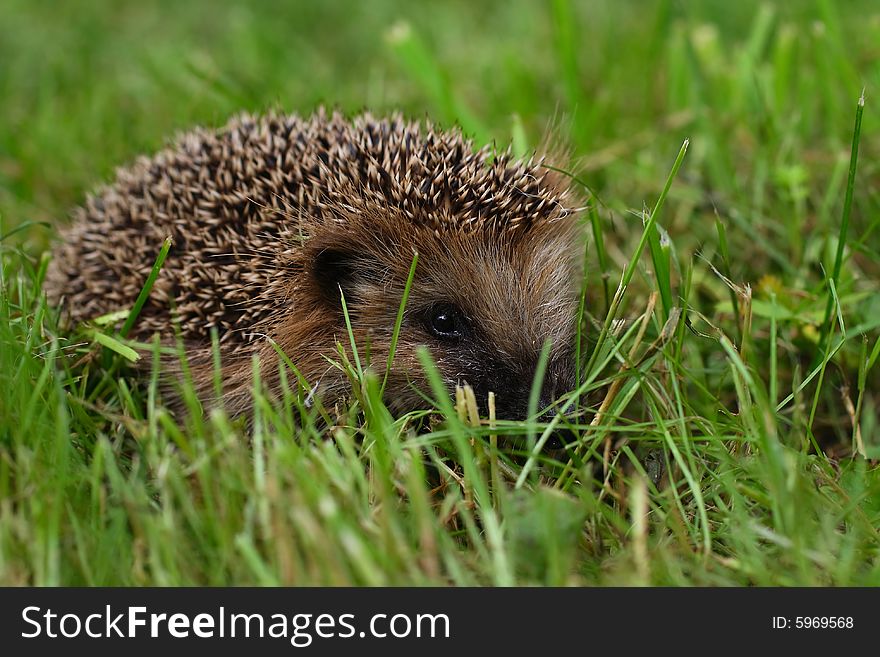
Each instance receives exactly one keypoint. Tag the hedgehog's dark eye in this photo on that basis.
(446, 321)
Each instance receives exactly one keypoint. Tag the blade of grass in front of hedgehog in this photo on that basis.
(147, 288)
(128, 400)
(534, 444)
(351, 340)
(306, 386)
(216, 364)
(535, 391)
(398, 321)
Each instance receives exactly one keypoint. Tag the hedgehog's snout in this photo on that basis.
(560, 380)
(561, 437)
(513, 391)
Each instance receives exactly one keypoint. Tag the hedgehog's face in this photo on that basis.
(483, 303)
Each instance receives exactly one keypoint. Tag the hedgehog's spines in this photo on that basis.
(242, 203)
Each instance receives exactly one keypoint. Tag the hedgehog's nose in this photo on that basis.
(561, 437)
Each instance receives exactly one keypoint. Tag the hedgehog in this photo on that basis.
(278, 220)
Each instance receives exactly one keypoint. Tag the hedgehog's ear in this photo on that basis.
(333, 269)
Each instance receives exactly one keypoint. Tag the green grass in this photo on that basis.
(733, 432)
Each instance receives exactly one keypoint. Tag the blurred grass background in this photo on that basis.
(766, 93)
(88, 85)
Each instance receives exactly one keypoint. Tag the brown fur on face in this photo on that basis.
(273, 216)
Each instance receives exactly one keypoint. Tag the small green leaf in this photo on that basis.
(115, 345)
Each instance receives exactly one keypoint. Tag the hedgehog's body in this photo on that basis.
(272, 216)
